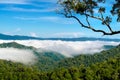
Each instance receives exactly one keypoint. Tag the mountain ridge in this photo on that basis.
(89, 59)
(44, 58)
(56, 61)
(19, 37)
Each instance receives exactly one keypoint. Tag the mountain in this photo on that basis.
(18, 37)
(44, 59)
(99, 66)
(49, 60)
(107, 47)
(83, 39)
(16, 45)
(107, 70)
(89, 59)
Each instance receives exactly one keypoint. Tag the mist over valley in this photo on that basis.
(65, 48)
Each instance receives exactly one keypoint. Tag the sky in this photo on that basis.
(38, 18)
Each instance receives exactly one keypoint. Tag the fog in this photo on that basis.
(67, 48)
(17, 55)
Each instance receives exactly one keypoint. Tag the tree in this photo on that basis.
(116, 9)
(92, 9)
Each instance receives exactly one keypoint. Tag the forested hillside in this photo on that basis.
(45, 59)
(99, 66)
(48, 40)
(106, 70)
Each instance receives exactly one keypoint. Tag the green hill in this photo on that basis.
(15, 45)
(49, 60)
(106, 70)
(89, 59)
(99, 66)
(45, 59)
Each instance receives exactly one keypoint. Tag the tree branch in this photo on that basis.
(87, 21)
(106, 23)
(86, 8)
(91, 28)
(93, 16)
(101, 19)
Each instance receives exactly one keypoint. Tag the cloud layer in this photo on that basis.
(17, 55)
(13, 1)
(54, 19)
(67, 48)
(24, 1)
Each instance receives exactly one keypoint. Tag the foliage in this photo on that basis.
(116, 9)
(107, 70)
(45, 59)
(89, 59)
(92, 10)
(99, 66)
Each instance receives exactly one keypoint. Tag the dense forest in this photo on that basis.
(45, 59)
(106, 70)
(88, 59)
(99, 66)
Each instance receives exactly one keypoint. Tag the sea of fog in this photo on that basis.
(66, 48)
(17, 55)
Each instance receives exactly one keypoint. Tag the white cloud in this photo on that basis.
(17, 30)
(33, 34)
(27, 10)
(67, 48)
(48, 7)
(17, 55)
(69, 35)
(51, 18)
(38, 18)
(24, 1)
(13, 1)
(54, 19)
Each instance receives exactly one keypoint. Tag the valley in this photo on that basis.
(50, 65)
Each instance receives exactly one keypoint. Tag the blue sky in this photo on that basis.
(38, 18)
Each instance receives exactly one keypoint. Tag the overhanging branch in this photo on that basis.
(101, 19)
(86, 8)
(91, 28)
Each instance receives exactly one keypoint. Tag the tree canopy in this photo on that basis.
(93, 9)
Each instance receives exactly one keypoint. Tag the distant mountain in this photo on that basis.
(18, 37)
(83, 39)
